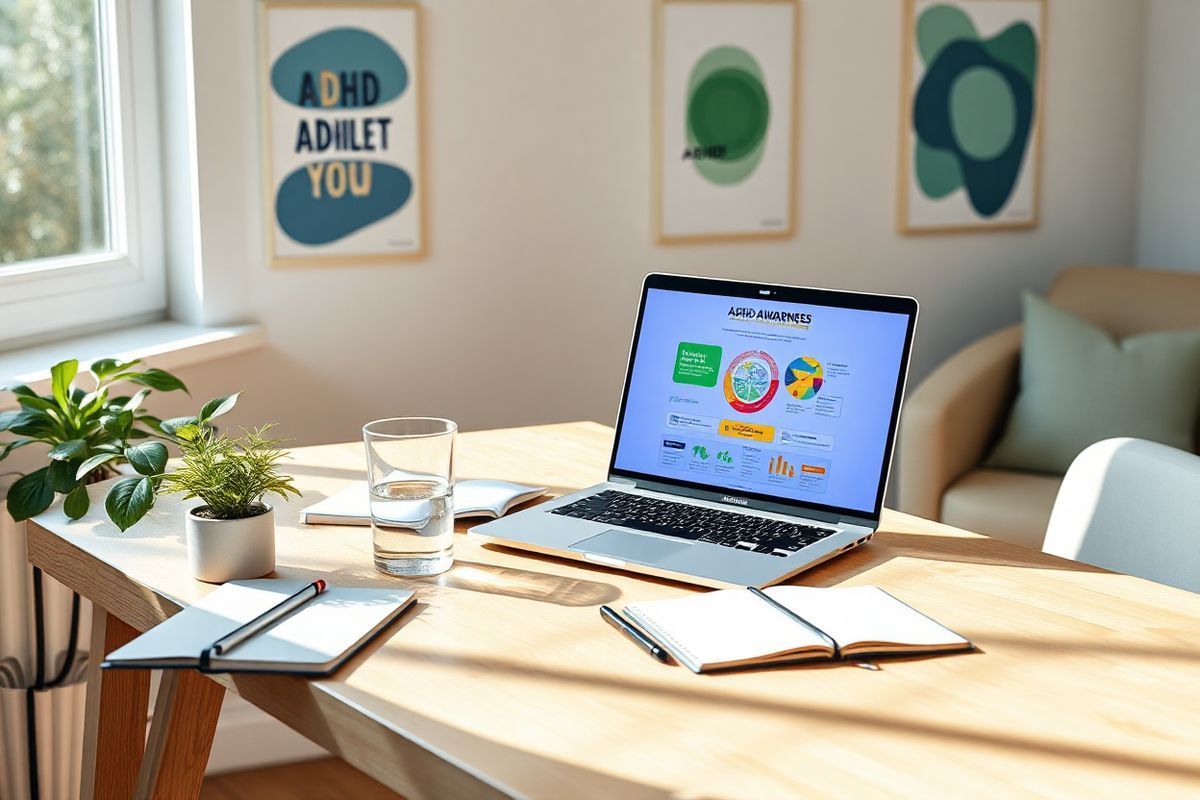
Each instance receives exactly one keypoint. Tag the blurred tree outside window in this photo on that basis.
(53, 176)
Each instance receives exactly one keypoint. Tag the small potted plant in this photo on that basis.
(232, 535)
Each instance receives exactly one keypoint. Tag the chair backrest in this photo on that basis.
(1129, 300)
(1131, 506)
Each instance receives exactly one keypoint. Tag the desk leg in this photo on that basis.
(181, 735)
(114, 729)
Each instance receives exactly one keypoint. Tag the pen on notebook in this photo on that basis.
(632, 633)
(266, 619)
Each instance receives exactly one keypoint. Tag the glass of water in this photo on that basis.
(410, 470)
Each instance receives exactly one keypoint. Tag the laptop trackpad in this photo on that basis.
(629, 546)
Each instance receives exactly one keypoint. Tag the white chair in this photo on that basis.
(1131, 506)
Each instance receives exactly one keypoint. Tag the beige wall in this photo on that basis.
(1169, 194)
(538, 129)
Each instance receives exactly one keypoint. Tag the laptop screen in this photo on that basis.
(777, 399)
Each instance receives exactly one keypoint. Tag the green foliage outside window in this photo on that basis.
(52, 166)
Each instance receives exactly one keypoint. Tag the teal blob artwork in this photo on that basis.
(324, 201)
(357, 70)
(973, 113)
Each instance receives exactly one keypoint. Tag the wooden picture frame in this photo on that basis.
(915, 208)
(395, 236)
(778, 160)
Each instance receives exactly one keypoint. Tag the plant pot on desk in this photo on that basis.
(222, 550)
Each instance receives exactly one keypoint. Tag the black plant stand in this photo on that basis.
(40, 684)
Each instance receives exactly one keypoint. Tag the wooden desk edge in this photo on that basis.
(302, 705)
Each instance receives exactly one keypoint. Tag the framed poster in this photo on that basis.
(341, 91)
(970, 146)
(725, 74)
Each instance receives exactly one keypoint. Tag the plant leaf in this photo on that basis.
(189, 432)
(61, 375)
(156, 379)
(16, 419)
(19, 389)
(218, 406)
(8, 447)
(129, 500)
(149, 458)
(104, 367)
(61, 475)
(171, 426)
(34, 402)
(135, 402)
(31, 495)
(118, 425)
(92, 463)
(27, 422)
(67, 450)
(93, 402)
(77, 502)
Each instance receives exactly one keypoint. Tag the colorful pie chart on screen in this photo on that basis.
(751, 381)
(804, 378)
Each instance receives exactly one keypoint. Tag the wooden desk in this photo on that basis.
(505, 682)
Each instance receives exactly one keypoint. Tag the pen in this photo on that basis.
(636, 636)
(263, 620)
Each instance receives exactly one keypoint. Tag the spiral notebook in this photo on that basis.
(733, 628)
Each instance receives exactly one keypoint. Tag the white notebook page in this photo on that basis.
(724, 626)
(863, 614)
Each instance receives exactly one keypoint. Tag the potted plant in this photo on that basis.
(232, 535)
(90, 426)
(91, 434)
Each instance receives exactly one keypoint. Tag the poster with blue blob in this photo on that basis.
(970, 137)
(342, 132)
(725, 119)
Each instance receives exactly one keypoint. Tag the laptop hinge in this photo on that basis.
(621, 481)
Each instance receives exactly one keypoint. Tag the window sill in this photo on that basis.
(166, 345)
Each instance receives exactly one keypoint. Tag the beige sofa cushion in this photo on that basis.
(1009, 505)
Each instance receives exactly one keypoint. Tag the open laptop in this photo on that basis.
(754, 436)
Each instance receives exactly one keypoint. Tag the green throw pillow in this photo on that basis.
(1079, 386)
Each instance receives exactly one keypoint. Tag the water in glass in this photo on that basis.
(413, 526)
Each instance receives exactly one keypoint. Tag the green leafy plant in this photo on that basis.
(231, 476)
(90, 433)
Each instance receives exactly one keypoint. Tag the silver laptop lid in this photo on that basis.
(774, 397)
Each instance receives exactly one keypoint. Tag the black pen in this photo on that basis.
(636, 636)
(261, 622)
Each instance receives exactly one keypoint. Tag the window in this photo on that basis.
(80, 186)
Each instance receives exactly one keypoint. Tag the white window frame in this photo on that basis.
(50, 296)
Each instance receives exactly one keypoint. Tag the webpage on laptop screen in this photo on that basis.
(775, 398)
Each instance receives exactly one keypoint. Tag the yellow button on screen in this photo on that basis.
(747, 430)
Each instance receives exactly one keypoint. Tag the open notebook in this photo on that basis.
(472, 498)
(314, 640)
(739, 628)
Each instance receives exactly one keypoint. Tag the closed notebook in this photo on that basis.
(313, 640)
(739, 628)
(472, 498)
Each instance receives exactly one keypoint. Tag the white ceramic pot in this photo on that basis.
(222, 550)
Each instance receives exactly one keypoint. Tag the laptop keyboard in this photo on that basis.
(741, 531)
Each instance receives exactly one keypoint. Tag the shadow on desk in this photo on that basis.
(497, 768)
(877, 720)
(475, 576)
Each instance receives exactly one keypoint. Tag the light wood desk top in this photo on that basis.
(506, 682)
